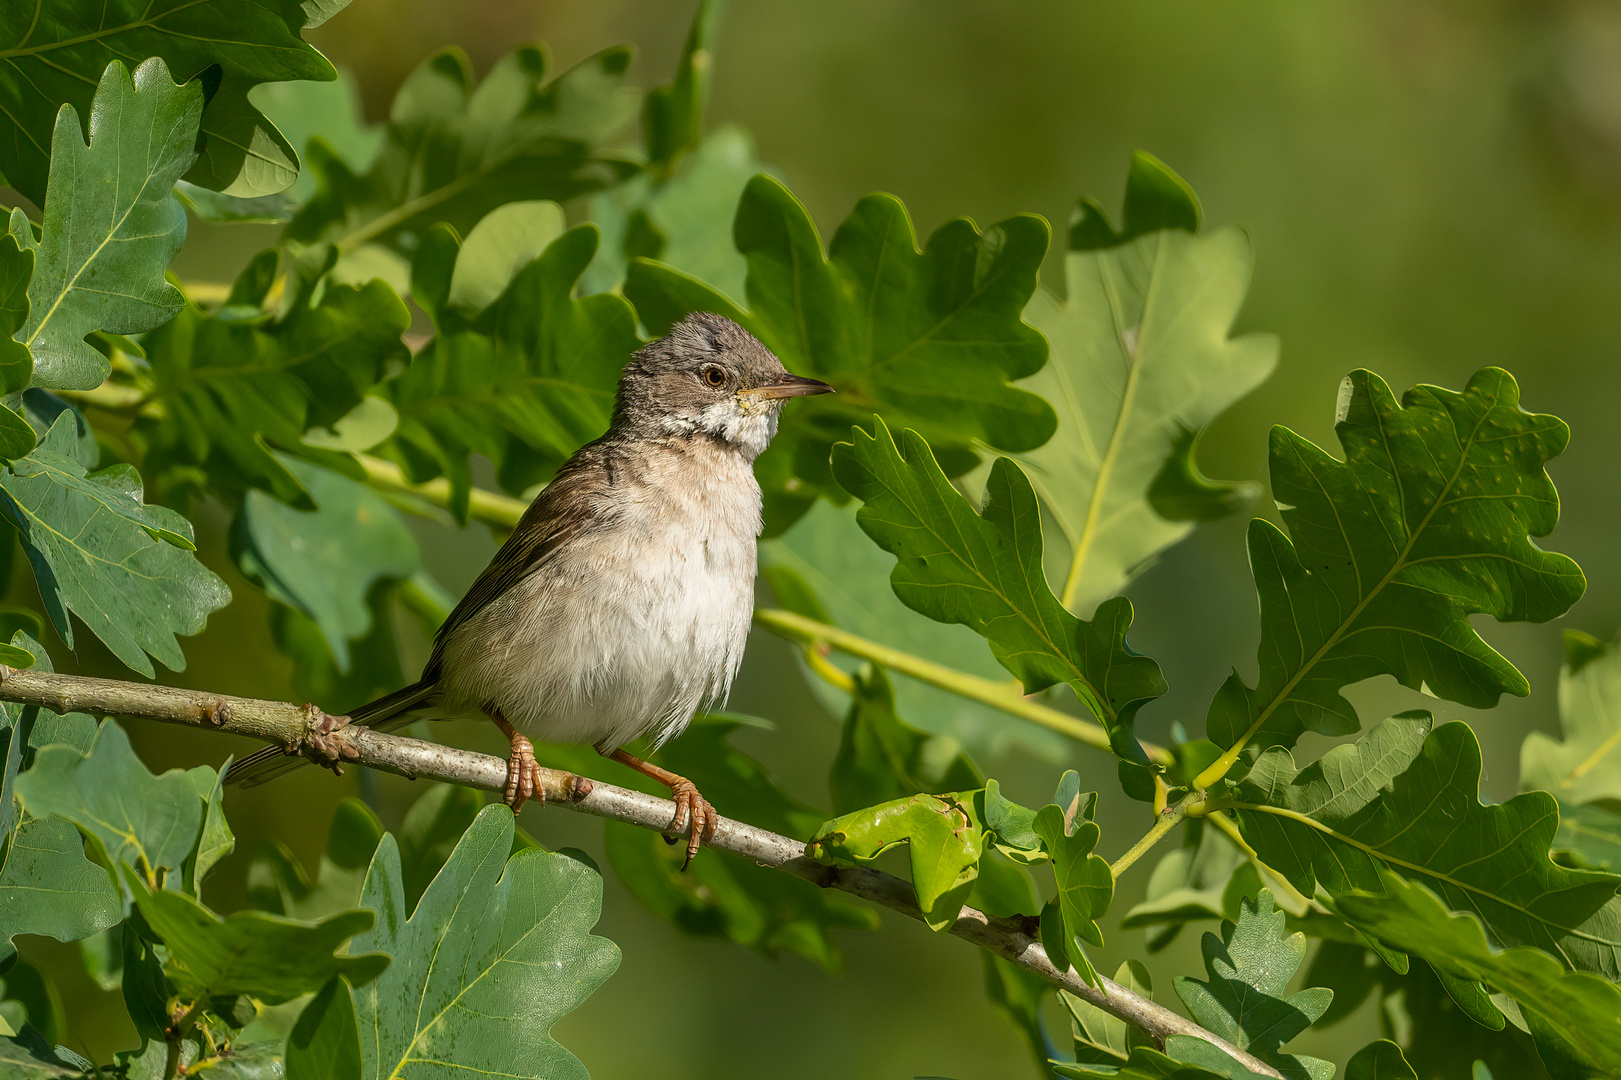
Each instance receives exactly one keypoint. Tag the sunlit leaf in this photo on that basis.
(526, 382)
(1244, 1000)
(929, 339)
(1140, 363)
(453, 152)
(269, 957)
(1586, 766)
(112, 223)
(91, 539)
(496, 952)
(215, 840)
(984, 570)
(1583, 1010)
(1084, 884)
(1427, 521)
(944, 835)
(330, 111)
(1406, 799)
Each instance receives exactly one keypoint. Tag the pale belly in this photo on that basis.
(615, 640)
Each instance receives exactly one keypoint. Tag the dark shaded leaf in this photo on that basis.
(67, 45)
(325, 1043)
(454, 152)
(112, 223)
(233, 384)
(1406, 799)
(278, 883)
(269, 957)
(48, 887)
(91, 540)
(432, 828)
(1102, 1038)
(497, 951)
(985, 570)
(882, 758)
(1426, 522)
(1243, 1001)
(929, 339)
(1140, 363)
(1591, 834)
(1189, 884)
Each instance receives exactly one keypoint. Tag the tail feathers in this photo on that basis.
(385, 714)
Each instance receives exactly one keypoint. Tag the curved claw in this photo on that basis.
(693, 816)
(523, 775)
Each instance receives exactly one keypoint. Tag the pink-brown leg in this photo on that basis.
(693, 814)
(523, 772)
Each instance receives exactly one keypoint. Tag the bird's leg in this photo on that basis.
(523, 772)
(693, 814)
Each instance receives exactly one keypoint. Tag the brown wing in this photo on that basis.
(572, 504)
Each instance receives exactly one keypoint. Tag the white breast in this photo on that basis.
(628, 631)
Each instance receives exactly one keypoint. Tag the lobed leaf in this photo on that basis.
(1244, 1000)
(230, 386)
(453, 152)
(48, 887)
(496, 952)
(1579, 1010)
(525, 382)
(1140, 362)
(111, 223)
(265, 956)
(985, 571)
(1085, 887)
(929, 339)
(1405, 799)
(59, 53)
(1426, 522)
(1586, 766)
(95, 548)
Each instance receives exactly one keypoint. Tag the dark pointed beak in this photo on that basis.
(790, 385)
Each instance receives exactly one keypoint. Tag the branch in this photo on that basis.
(295, 727)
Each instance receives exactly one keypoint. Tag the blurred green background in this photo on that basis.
(1433, 186)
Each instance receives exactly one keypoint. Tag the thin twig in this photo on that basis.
(293, 726)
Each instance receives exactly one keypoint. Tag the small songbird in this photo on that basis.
(620, 604)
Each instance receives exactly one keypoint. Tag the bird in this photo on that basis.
(620, 605)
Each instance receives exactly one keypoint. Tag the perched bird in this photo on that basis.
(620, 604)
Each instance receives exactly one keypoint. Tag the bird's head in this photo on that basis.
(708, 376)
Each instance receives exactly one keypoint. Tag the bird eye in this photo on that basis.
(714, 376)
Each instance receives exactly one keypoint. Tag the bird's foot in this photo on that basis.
(325, 741)
(693, 816)
(523, 775)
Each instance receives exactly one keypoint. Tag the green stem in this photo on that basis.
(1166, 820)
(999, 695)
(490, 507)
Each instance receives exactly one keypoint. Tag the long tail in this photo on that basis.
(386, 713)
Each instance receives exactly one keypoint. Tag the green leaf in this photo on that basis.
(1243, 1001)
(945, 837)
(1140, 363)
(1406, 799)
(26, 728)
(218, 209)
(24, 1059)
(1426, 522)
(48, 887)
(216, 840)
(100, 552)
(1586, 766)
(525, 383)
(374, 660)
(127, 814)
(1102, 1038)
(454, 152)
(16, 363)
(1188, 1059)
(325, 562)
(61, 56)
(428, 836)
(111, 222)
(330, 111)
(723, 896)
(508, 239)
(497, 951)
(928, 339)
(984, 570)
(265, 956)
(231, 385)
(828, 562)
(278, 883)
(1084, 883)
(882, 758)
(325, 1043)
(1582, 1010)
(1189, 884)
(1591, 834)
(672, 116)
